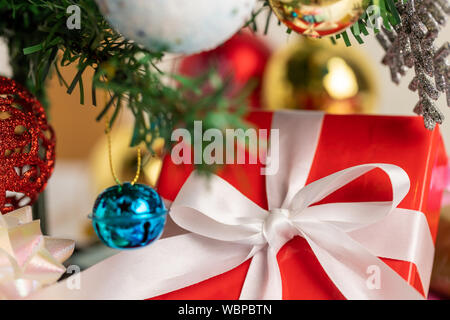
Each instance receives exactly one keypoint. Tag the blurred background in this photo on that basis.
(356, 82)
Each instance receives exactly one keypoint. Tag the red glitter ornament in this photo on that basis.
(27, 147)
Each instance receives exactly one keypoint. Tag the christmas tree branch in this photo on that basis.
(39, 40)
(385, 9)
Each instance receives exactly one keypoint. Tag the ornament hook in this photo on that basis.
(113, 172)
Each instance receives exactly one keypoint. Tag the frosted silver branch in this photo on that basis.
(410, 44)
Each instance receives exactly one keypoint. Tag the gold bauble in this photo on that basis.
(318, 18)
(317, 75)
(124, 160)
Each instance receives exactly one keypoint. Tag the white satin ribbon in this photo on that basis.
(229, 216)
(228, 229)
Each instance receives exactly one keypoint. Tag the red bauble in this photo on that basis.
(244, 57)
(27, 147)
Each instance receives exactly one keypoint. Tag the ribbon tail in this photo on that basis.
(263, 280)
(169, 264)
(357, 273)
(410, 232)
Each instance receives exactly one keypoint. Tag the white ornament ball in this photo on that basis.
(178, 26)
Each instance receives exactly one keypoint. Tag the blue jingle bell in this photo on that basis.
(128, 216)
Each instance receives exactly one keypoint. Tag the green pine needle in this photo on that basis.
(39, 43)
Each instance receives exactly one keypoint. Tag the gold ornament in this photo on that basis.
(125, 160)
(317, 75)
(318, 18)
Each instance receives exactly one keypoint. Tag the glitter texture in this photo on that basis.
(411, 45)
(27, 147)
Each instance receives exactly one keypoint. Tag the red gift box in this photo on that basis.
(345, 141)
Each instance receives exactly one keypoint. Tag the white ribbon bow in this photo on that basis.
(337, 232)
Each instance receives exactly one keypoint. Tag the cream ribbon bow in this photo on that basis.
(28, 260)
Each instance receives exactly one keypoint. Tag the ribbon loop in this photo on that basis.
(318, 190)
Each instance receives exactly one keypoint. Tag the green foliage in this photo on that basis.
(40, 42)
(388, 11)
(389, 15)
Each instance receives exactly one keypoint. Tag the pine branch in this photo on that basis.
(389, 18)
(387, 10)
(40, 42)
